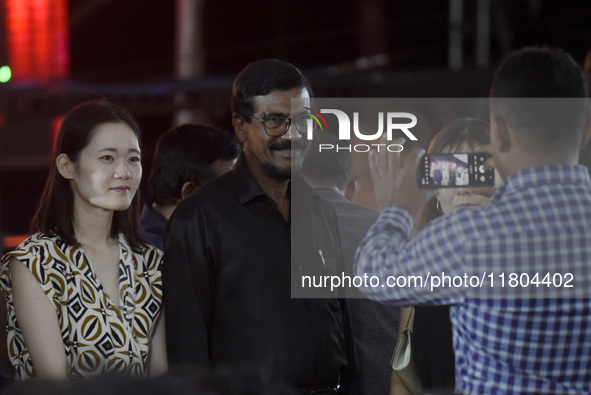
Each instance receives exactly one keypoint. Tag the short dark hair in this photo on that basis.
(469, 131)
(186, 153)
(542, 92)
(466, 130)
(261, 77)
(329, 167)
(56, 208)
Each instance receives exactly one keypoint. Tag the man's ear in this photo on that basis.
(188, 188)
(65, 166)
(350, 190)
(587, 127)
(239, 124)
(500, 137)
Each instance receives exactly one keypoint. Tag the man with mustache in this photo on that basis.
(231, 267)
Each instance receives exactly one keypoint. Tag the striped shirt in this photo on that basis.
(516, 339)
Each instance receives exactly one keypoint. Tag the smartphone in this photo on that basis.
(455, 171)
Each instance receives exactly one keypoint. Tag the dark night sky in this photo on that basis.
(127, 40)
(122, 40)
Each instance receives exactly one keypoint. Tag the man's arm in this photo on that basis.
(391, 252)
(187, 290)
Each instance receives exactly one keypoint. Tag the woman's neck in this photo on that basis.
(93, 227)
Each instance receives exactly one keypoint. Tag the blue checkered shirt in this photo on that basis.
(539, 218)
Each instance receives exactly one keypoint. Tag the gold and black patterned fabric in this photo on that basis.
(100, 336)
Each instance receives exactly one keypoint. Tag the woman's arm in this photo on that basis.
(158, 360)
(38, 322)
(5, 363)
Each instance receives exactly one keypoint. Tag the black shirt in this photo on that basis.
(228, 277)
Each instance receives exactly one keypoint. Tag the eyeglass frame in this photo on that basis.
(289, 121)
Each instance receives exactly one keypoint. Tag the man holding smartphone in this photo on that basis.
(519, 340)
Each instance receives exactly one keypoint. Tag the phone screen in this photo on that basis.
(455, 171)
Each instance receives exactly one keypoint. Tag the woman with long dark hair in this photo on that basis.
(83, 291)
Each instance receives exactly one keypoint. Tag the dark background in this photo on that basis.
(124, 49)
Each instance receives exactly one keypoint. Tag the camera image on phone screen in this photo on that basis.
(455, 171)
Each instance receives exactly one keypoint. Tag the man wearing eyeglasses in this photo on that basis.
(237, 248)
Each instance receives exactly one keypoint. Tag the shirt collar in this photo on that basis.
(542, 175)
(249, 188)
(124, 246)
(330, 194)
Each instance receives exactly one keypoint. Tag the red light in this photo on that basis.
(37, 35)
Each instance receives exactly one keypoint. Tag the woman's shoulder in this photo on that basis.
(42, 253)
(39, 245)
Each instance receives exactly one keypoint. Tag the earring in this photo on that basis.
(438, 205)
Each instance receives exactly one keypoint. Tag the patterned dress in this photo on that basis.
(99, 336)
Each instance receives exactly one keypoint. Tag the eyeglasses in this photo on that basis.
(276, 126)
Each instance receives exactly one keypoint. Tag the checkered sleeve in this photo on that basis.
(405, 268)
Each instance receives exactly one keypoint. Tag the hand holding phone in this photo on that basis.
(394, 179)
(460, 170)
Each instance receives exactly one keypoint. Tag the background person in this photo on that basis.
(330, 174)
(186, 157)
(83, 292)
